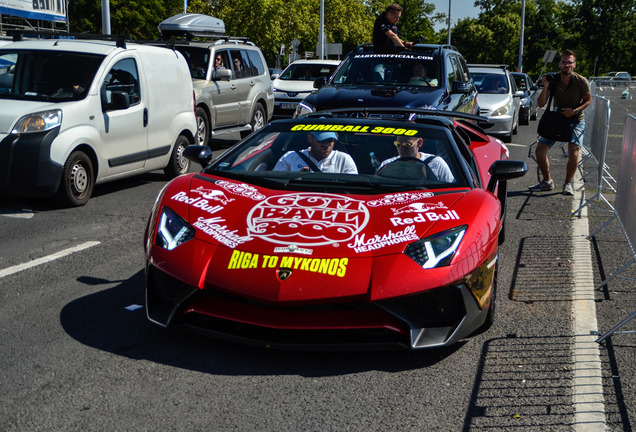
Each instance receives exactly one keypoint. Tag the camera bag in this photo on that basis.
(553, 125)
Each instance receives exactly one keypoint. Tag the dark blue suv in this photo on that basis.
(425, 77)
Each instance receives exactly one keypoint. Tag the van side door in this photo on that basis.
(124, 118)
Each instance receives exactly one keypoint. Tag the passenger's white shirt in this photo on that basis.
(336, 162)
(438, 166)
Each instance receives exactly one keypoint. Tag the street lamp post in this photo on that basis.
(449, 21)
(523, 19)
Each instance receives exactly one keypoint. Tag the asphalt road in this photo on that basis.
(77, 353)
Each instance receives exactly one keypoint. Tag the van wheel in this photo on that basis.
(258, 120)
(203, 127)
(178, 164)
(78, 179)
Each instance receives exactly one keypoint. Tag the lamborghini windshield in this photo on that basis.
(342, 153)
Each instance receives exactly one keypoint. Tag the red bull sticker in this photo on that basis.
(419, 207)
(213, 194)
(307, 219)
(328, 266)
(197, 202)
(425, 217)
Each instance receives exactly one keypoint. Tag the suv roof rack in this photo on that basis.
(19, 35)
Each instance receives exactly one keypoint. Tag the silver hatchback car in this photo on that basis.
(498, 98)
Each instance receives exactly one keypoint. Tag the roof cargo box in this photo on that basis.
(191, 25)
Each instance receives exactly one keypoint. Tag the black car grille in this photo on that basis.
(440, 307)
(164, 294)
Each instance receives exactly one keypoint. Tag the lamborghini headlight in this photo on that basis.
(436, 250)
(173, 230)
(38, 122)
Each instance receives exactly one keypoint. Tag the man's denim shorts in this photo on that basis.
(577, 135)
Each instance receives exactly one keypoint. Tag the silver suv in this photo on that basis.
(231, 80)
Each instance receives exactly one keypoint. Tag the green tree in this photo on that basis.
(271, 23)
(136, 18)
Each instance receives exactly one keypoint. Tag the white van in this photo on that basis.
(74, 113)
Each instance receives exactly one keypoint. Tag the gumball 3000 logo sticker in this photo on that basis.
(307, 219)
(399, 198)
(241, 189)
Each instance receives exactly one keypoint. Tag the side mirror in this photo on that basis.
(119, 100)
(320, 82)
(221, 74)
(461, 87)
(519, 94)
(504, 170)
(199, 153)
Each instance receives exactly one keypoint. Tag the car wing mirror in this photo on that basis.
(504, 170)
(461, 87)
(119, 100)
(221, 74)
(320, 82)
(519, 94)
(199, 153)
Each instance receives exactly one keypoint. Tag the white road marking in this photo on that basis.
(589, 404)
(20, 267)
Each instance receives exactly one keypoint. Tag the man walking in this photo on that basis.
(571, 95)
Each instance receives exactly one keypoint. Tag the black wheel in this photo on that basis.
(258, 120)
(203, 127)
(78, 179)
(178, 164)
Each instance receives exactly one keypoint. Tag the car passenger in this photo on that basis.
(238, 67)
(420, 76)
(409, 147)
(319, 157)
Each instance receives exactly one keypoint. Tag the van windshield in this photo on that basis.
(52, 76)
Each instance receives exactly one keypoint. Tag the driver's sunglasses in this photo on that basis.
(217, 59)
(406, 144)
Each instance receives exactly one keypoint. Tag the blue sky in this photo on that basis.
(459, 9)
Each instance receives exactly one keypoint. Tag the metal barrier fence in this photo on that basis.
(625, 211)
(597, 122)
(603, 83)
